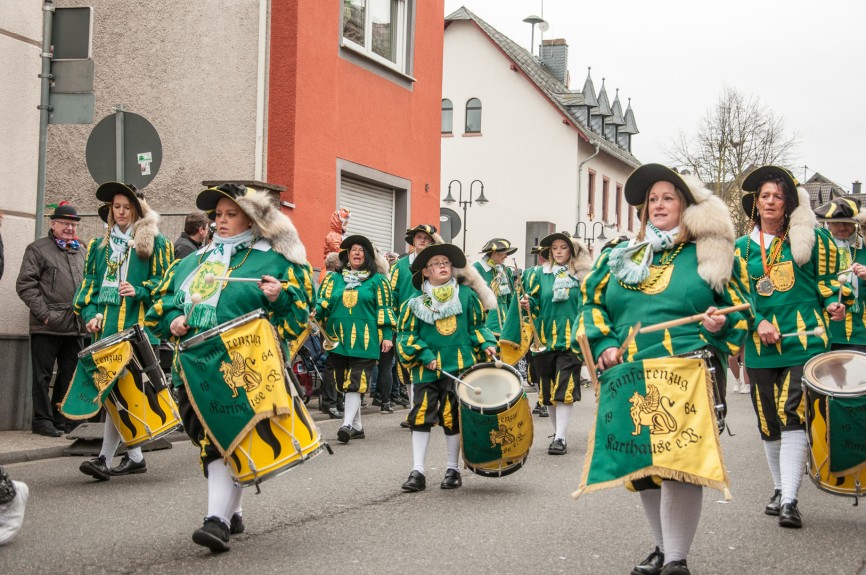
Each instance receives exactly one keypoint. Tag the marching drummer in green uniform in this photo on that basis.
(844, 219)
(253, 241)
(792, 281)
(499, 277)
(121, 270)
(443, 329)
(355, 312)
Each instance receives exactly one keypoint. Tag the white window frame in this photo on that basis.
(401, 36)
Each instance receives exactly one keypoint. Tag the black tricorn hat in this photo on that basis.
(639, 182)
(498, 245)
(752, 185)
(106, 192)
(208, 199)
(839, 210)
(356, 239)
(65, 211)
(452, 252)
(426, 228)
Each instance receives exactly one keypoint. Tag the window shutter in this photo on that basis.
(372, 211)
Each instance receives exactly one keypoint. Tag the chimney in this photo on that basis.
(554, 56)
(855, 187)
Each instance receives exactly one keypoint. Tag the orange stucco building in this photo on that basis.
(353, 120)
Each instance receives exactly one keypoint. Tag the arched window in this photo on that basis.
(473, 116)
(447, 116)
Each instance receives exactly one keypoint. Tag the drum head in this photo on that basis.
(839, 373)
(499, 386)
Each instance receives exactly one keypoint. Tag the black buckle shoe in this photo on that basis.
(557, 447)
(344, 434)
(214, 535)
(775, 503)
(652, 565)
(237, 527)
(356, 433)
(129, 467)
(416, 482)
(789, 515)
(96, 468)
(452, 479)
(676, 568)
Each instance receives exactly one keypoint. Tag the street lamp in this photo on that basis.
(586, 237)
(465, 204)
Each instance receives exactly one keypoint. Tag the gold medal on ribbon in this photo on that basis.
(443, 293)
(764, 286)
(350, 298)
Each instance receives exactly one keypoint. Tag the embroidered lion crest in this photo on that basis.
(240, 373)
(649, 410)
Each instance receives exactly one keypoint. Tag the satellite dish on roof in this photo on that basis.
(543, 26)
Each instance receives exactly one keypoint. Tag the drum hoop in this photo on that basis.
(506, 405)
(837, 393)
(221, 328)
(131, 333)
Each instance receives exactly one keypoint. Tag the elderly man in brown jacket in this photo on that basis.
(52, 269)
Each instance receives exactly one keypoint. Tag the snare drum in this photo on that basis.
(285, 438)
(835, 390)
(139, 403)
(720, 408)
(496, 425)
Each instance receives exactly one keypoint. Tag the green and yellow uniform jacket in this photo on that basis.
(359, 319)
(554, 321)
(801, 294)
(495, 318)
(402, 289)
(144, 275)
(455, 342)
(673, 290)
(852, 331)
(289, 314)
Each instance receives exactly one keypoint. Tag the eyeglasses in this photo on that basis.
(71, 225)
(434, 265)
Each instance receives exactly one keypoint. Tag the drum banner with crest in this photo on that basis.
(95, 377)
(654, 418)
(234, 380)
(490, 437)
(848, 440)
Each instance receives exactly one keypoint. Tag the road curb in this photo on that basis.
(25, 455)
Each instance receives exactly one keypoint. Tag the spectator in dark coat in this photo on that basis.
(195, 229)
(52, 269)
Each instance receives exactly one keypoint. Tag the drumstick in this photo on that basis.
(632, 334)
(196, 299)
(818, 332)
(98, 318)
(843, 279)
(583, 342)
(693, 318)
(211, 278)
(476, 390)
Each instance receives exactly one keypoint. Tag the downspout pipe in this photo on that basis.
(580, 173)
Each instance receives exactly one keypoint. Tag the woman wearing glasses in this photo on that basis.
(354, 310)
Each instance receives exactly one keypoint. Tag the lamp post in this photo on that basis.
(465, 204)
(586, 237)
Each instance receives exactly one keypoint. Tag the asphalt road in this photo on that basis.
(345, 514)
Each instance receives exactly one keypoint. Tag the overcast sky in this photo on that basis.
(673, 58)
